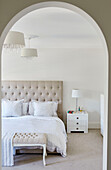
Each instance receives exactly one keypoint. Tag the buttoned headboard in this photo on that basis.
(34, 90)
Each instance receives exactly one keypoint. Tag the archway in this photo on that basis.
(92, 22)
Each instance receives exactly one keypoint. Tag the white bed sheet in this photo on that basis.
(52, 126)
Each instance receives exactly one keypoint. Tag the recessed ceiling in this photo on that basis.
(57, 27)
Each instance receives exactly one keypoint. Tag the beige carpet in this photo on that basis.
(84, 153)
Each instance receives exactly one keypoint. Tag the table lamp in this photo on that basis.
(76, 94)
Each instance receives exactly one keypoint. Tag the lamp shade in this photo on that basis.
(29, 52)
(76, 93)
(14, 40)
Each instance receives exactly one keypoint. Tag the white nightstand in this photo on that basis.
(77, 122)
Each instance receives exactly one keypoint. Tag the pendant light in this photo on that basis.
(29, 52)
(14, 40)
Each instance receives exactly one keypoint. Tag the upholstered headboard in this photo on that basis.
(34, 90)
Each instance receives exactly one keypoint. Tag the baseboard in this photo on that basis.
(93, 125)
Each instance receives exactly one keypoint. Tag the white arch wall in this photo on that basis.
(94, 24)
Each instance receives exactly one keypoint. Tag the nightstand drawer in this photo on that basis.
(77, 117)
(77, 129)
(76, 122)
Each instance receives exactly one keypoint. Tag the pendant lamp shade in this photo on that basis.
(14, 40)
(29, 52)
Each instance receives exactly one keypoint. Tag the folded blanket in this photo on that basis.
(7, 149)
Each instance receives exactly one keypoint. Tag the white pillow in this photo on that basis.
(31, 108)
(46, 109)
(25, 108)
(55, 107)
(12, 108)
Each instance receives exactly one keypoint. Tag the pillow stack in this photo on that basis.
(19, 108)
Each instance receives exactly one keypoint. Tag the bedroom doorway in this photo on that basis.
(92, 22)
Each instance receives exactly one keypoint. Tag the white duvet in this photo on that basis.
(52, 126)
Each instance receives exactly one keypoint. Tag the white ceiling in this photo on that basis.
(58, 28)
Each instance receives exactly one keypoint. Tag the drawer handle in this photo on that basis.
(77, 123)
(77, 117)
(77, 128)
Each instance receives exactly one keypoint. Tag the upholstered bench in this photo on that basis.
(31, 139)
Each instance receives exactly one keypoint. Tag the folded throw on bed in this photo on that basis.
(7, 149)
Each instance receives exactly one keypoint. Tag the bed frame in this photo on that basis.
(34, 90)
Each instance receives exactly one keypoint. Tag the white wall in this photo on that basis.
(69, 49)
(80, 68)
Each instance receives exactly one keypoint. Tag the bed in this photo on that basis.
(41, 91)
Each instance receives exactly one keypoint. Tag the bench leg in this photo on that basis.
(44, 154)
